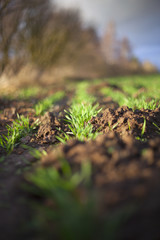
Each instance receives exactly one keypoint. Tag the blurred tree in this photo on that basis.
(115, 51)
(30, 37)
(35, 31)
(109, 44)
(60, 40)
(48, 35)
(125, 51)
(9, 23)
(89, 59)
(3, 5)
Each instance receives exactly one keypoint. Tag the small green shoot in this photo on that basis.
(79, 115)
(157, 128)
(46, 103)
(126, 97)
(129, 126)
(115, 125)
(20, 128)
(51, 179)
(118, 97)
(62, 189)
(143, 128)
(36, 153)
(112, 127)
(63, 137)
(142, 132)
(29, 92)
(78, 118)
(141, 103)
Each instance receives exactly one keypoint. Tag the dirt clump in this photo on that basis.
(125, 121)
(125, 173)
(122, 167)
(50, 127)
(10, 109)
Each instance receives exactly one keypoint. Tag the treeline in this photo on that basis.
(119, 55)
(38, 33)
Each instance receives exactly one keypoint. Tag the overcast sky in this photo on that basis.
(139, 20)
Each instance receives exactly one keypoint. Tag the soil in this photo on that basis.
(125, 170)
(14, 200)
(125, 121)
(50, 127)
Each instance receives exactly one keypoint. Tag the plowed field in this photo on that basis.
(81, 161)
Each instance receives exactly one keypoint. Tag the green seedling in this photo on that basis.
(82, 96)
(142, 132)
(143, 128)
(130, 90)
(118, 97)
(78, 118)
(79, 115)
(71, 206)
(46, 103)
(141, 103)
(20, 128)
(50, 179)
(63, 137)
(129, 126)
(71, 215)
(115, 125)
(27, 93)
(38, 154)
(157, 128)
(109, 125)
(129, 86)
(112, 127)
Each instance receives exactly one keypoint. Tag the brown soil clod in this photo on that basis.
(50, 127)
(125, 121)
(114, 160)
(124, 172)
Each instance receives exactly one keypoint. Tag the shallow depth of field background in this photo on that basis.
(44, 41)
